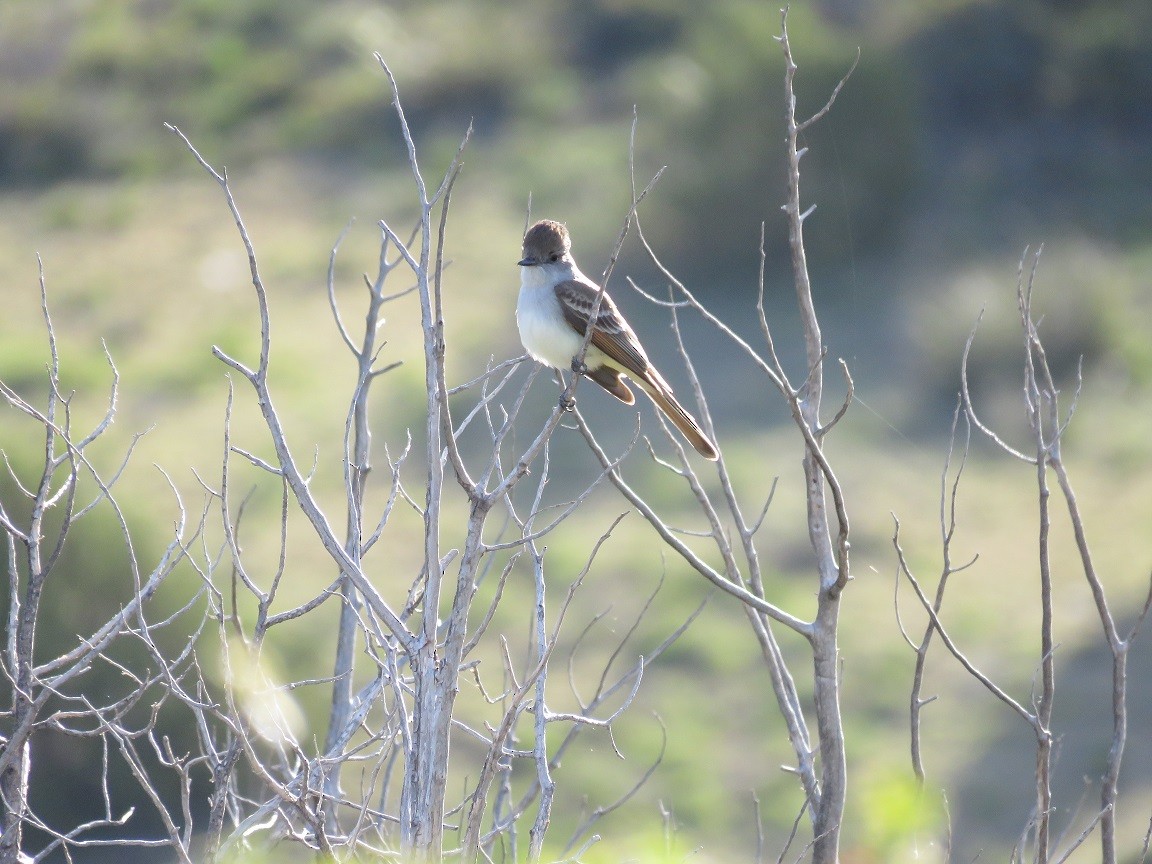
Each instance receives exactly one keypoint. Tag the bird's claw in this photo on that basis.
(579, 366)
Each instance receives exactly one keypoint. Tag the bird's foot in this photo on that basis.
(579, 367)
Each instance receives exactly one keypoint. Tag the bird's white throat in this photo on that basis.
(543, 330)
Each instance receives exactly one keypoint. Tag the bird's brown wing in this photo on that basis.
(612, 335)
(610, 332)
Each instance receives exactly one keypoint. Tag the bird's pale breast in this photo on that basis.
(543, 330)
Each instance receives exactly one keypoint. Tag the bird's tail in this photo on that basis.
(681, 419)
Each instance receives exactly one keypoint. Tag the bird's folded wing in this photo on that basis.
(610, 332)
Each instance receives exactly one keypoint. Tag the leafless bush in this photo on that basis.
(1044, 452)
(376, 780)
(57, 693)
(820, 766)
(378, 785)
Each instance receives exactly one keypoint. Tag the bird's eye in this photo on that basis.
(555, 256)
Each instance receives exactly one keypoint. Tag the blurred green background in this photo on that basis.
(969, 131)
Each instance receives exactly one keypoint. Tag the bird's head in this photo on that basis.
(546, 242)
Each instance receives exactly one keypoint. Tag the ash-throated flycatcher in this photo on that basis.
(555, 303)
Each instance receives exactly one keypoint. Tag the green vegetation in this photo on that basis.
(969, 130)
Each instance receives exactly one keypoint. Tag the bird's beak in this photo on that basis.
(528, 261)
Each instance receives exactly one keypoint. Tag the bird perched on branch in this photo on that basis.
(553, 311)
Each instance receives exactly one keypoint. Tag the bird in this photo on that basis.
(553, 312)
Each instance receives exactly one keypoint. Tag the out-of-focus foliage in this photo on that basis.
(971, 122)
(968, 129)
